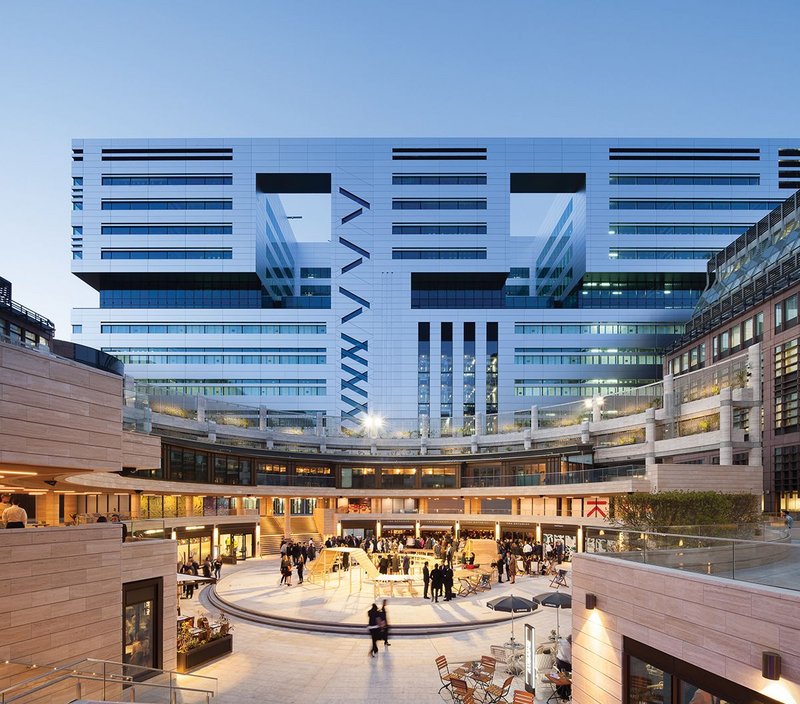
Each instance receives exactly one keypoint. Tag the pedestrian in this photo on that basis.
(512, 569)
(436, 583)
(217, 567)
(787, 517)
(372, 629)
(383, 565)
(447, 580)
(300, 565)
(207, 567)
(15, 516)
(406, 564)
(426, 580)
(383, 623)
(500, 563)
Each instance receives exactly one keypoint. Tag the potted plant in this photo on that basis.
(197, 646)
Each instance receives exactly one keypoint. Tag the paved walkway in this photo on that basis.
(273, 665)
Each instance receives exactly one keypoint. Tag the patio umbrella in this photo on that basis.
(555, 600)
(513, 605)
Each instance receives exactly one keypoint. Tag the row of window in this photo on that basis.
(224, 350)
(519, 272)
(438, 179)
(652, 204)
(786, 313)
(737, 337)
(618, 253)
(167, 205)
(786, 359)
(692, 359)
(148, 230)
(255, 387)
(643, 298)
(588, 391)
(440, 229)
(551, 356)
(675, 229)
(787, 405)
(477, 253)
(221, 359)
(439, 204)
(682, 180)
(309, 272)
(213, 329)
(599, 329)
(188, 180)
(166, 254)
(180, 298)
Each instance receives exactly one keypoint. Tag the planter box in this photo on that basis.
(204, 653)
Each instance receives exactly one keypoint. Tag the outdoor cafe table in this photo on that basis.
(558, 680)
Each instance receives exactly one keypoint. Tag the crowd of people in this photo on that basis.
(294, 557)
(210, 568)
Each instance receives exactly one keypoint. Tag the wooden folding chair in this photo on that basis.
(496, 694)
(461, 692)
(521, 697)
(560, 579)
(444, 672)
(465, 587)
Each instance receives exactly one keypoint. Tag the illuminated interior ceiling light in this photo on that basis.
(195, 527)
(19, 472)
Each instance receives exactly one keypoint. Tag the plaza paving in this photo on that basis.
(276, 665)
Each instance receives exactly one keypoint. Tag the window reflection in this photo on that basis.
(647, 684)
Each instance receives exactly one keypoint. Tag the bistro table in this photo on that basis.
(558, 680)
(515, 657)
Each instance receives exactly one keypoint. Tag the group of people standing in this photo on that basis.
(294, 557)
(210, 568)
(440, 577)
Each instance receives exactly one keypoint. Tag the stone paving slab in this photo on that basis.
(273, 665)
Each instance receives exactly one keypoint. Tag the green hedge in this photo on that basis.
(684, 508)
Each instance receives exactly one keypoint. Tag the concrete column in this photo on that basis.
(579, 546)
(514, 507)
(597, 409)
(526, 438)
(215, 551)
(416, 529)
(212, 431)
(497, 530)
(262, 418)
(473, 447)
(538, 532)
(423, 505)
(585, 434)
(754, 371)
(147, 421)
(669, 395)
(650, 435)
(201, 409)
(136, 506)
(47, 508)
(534, 418)
(725, 426)
(187, 504)
(320, 425)
(377, 529)
(287, 518)
(457, 529)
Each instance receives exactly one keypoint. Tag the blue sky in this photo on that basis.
(363, 68)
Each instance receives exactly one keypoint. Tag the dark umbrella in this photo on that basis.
(513, 605)
(555, 600)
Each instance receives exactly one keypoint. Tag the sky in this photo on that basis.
(571, 68)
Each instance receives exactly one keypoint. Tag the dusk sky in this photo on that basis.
(203, 69)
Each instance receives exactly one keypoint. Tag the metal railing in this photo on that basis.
(106, 680)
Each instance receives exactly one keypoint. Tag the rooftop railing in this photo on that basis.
(767, 558)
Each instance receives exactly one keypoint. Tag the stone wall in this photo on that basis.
(717, 624)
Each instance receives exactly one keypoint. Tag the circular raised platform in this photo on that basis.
(251, 592)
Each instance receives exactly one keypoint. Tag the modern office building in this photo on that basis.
(21, 324)
(754, 299)
(414, 298)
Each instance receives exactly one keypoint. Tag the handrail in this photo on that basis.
(70, 670)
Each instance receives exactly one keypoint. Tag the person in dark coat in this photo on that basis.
(383, 565)
(436, 583)
(383, 624)
(447, 580)
(406, 564)
(300, 565)
(426, 580)
(372, 628)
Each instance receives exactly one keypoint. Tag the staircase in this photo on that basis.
(303, 529)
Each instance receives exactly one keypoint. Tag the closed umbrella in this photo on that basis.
(555, 600)
(513, 605)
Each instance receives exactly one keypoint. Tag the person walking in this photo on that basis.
(406, 564)
(426, 580)
(217, 568)
(383, 624)
(512, 568)
(372, 629)
(15, 516)
(300, 565)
